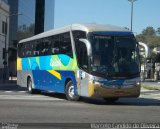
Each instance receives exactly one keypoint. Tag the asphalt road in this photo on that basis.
(20, 107)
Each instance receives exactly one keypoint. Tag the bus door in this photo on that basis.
(82, 58)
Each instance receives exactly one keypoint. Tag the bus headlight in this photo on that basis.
(138, 84)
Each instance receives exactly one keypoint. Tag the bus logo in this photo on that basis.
(54, 62)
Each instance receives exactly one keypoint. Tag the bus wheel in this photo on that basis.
(111, 100)
(29, 86)
(69, 91)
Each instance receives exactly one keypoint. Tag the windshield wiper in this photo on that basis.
(123, 76)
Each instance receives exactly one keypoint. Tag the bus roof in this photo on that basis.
(82, 27)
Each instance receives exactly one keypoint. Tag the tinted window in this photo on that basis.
(57, 44)
(20, 50)
(28, 49)
(114, 56)
(82, 56)
(43, 46)
(23, 50)
(81, 50)
(65, 44)
(78, 35)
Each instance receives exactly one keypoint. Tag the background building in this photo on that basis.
(26, 21)
(16, 27)
(4, 29)
(12, 48)
(13, 22)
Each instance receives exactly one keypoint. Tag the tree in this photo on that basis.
(149, 31)
(150, 36)
(158, 31)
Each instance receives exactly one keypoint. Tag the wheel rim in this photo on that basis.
(71, 91)
(29, 86)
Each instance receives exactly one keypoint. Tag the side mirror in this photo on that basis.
(88, 45)
(146, 49)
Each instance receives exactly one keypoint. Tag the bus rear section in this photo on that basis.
(48, 63)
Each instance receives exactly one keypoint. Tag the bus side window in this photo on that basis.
(20, 50)
(65, 44)
(55, 45)
(36, 52)
(80, 53)
(34, 48)
(83, 57)
(24, 50)
(28, 51)
(46, 46)
(62, 44)
(56, 48)
(52, 45)
(41, 47)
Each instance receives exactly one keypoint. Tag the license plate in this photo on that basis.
(119, 92)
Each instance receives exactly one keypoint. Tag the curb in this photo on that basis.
(8, 83)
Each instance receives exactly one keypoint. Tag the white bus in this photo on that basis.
(88, 60)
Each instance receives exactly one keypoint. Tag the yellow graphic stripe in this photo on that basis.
(55, 73)
(74, 65)
(19, 64)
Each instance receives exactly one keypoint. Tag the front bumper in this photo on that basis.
(98, 91)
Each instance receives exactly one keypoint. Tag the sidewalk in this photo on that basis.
(11, 85)
(151, 85)
(11, 82)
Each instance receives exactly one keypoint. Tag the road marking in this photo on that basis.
(14, 91)
(23, 91)
(8, 91)
(29, 97)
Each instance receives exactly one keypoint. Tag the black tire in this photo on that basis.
(111, 100)
(29, 86)
(69, 92)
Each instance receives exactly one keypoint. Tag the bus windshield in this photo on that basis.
(114, 56)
